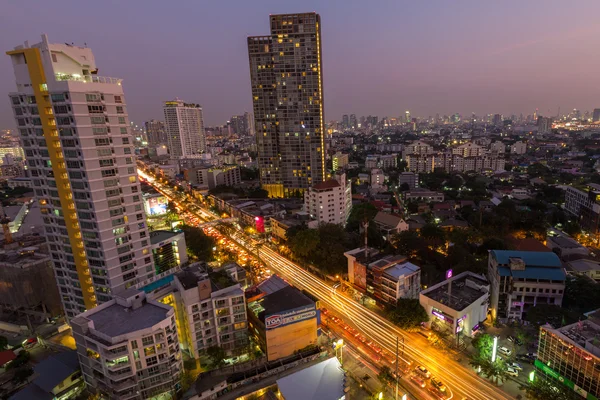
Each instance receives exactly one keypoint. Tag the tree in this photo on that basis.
(433, 233)
(258, 193)
(217, 356)
(494, 371)
(572, 228)
(22, 374)
(359, 213)
(405, 187)
(408, 314)
(483, 343)
(581, 294)
(304, 243)
(198, 243)
(22, 359)
(386, 376)
(544, 389)
(3, 342)
(407, 243)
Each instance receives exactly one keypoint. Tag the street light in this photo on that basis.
(531, 376)
(339, 345)
(494, 348)
(380, 395)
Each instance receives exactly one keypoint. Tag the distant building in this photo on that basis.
(585, 205)
(518, 148)
(424, 195)
(330, 201)
(596, 115)
(377, 180)
(155, 130)
(544, 124)
(498, 147)
(570, 356)
(285, 318)
(128, 347)
(520, 280)
(211, 177)
(387, 278)
(215, 310)
(339, 160)
(458, 305)
(410, 178)
(184, 126)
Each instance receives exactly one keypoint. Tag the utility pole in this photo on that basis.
(397, 345)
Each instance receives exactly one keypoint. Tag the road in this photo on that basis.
(462, 382)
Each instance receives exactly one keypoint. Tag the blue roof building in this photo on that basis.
(523, 279)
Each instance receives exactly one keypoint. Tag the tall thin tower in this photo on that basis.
(287, 92)
(76, 135)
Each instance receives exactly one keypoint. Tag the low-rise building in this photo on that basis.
(330, 201)
(322, 381)
(424, 195)
(458, 305)
(339, 160)
(570, 356)
(522, 279)
(19, 182)
(213, 310)
(56, 377)
(168, 249)
(377, 180)
(586, 267)
(389, 224)
(128, 348)
(211, 177)
(285, 319)
(565, 247)
(281, 225)
(410, 178)
(386, 278)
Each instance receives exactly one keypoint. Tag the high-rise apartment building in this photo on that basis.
(79, 149)
(287, 93)
(345, 121)
(596, 115)
(185, 129)
(155, 130)
(353, 122)
(330, 201)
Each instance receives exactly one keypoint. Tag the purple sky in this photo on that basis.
(380, 57)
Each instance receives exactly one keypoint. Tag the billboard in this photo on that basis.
(156, 205)
(290, 317)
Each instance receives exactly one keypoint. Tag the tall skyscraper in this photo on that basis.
(78, 144)
(596, 115)
(353, 122)
(287, 94)
(345, 121)
(155, 131)
(185, 129)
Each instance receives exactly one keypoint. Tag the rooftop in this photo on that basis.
(330, 184)
(585, 334)
(117, 319)
(404, 269)
(584, 265)
(322, 381)
(285, 299)
(55, 369)
(386, 219)
(160, 236)
(467, 287)
(537, 264)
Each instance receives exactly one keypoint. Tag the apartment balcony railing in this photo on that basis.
(87, 78)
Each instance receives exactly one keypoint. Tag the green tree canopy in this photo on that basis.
(359, 213)
(408, 314)
(198, 243)
(217, 356)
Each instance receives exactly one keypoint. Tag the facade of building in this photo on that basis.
(79, 149)
(211, 177)
(128, 348)
(410, 178)
(168, 249)
(155, 130)
(389, 224)
(421, 158)
(386, 279)
(213, 308)
(377, 180)
(424, 195)
(570, 356)
(287, 93)
(184, 126)
(458, 304)
(339, 160)
(523, 279)
(518, 148)
(27, 281)
(330, 201)
(285, 319)
(585, 205)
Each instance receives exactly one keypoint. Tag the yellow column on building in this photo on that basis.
(63, 185)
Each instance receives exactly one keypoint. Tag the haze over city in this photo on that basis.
(379, 58)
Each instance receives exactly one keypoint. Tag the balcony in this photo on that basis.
(87, 78)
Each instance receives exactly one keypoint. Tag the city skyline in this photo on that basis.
(471, 59)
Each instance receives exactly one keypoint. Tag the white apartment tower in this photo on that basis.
(329, 201)
(185, 129)
(76, 136)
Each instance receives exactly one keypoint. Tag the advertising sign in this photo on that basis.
(290, 317)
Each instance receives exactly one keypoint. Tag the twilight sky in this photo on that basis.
(380, 57)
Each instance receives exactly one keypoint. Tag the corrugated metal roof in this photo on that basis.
(531, 258)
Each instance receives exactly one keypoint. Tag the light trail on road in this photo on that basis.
(463, 381)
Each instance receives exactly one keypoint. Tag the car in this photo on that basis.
(438, 384)
(418, 380)
(524, 358)
(531, 355)
(515, 340)
(505, 351)
(421, 370)
(515, 365)
(29, 343)
(510, 371)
